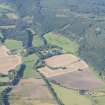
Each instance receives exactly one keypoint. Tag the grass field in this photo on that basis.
(1, 89)
(61, 41)
(37, 41)
(71, 97)
(13, 44)
(29, 62)
(100, 100)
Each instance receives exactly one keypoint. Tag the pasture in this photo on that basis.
(68, 45)
(13, 44)
(71, 97)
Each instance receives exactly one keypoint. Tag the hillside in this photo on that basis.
(39, 29)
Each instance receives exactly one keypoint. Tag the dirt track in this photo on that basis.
(8, 62)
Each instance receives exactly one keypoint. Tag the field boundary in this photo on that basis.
(58, 100)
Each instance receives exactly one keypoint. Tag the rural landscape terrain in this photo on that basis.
(52, 52)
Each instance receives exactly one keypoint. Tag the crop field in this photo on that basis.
(66, 60)
(31, 92)
(8, 62)
(83, 80)
(70, 72)
(62, 64)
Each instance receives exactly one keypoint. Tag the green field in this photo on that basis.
(61, 41)
(37, 41)
(13, 44)
(71, 97)
(29, 61)
(100, 100)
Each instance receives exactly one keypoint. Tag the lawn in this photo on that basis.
(13, 44)
(29, 61)
(68, 45)
(37, 41)
(71, 97)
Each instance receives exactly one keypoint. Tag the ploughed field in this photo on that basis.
(8, 62)
(31, 92)
(70, 71)
(83, 80)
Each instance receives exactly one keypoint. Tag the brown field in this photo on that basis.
(7, 62)
(62, 60)
(70, 72)
(83, 80)
(31, 92)
(62, 64)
